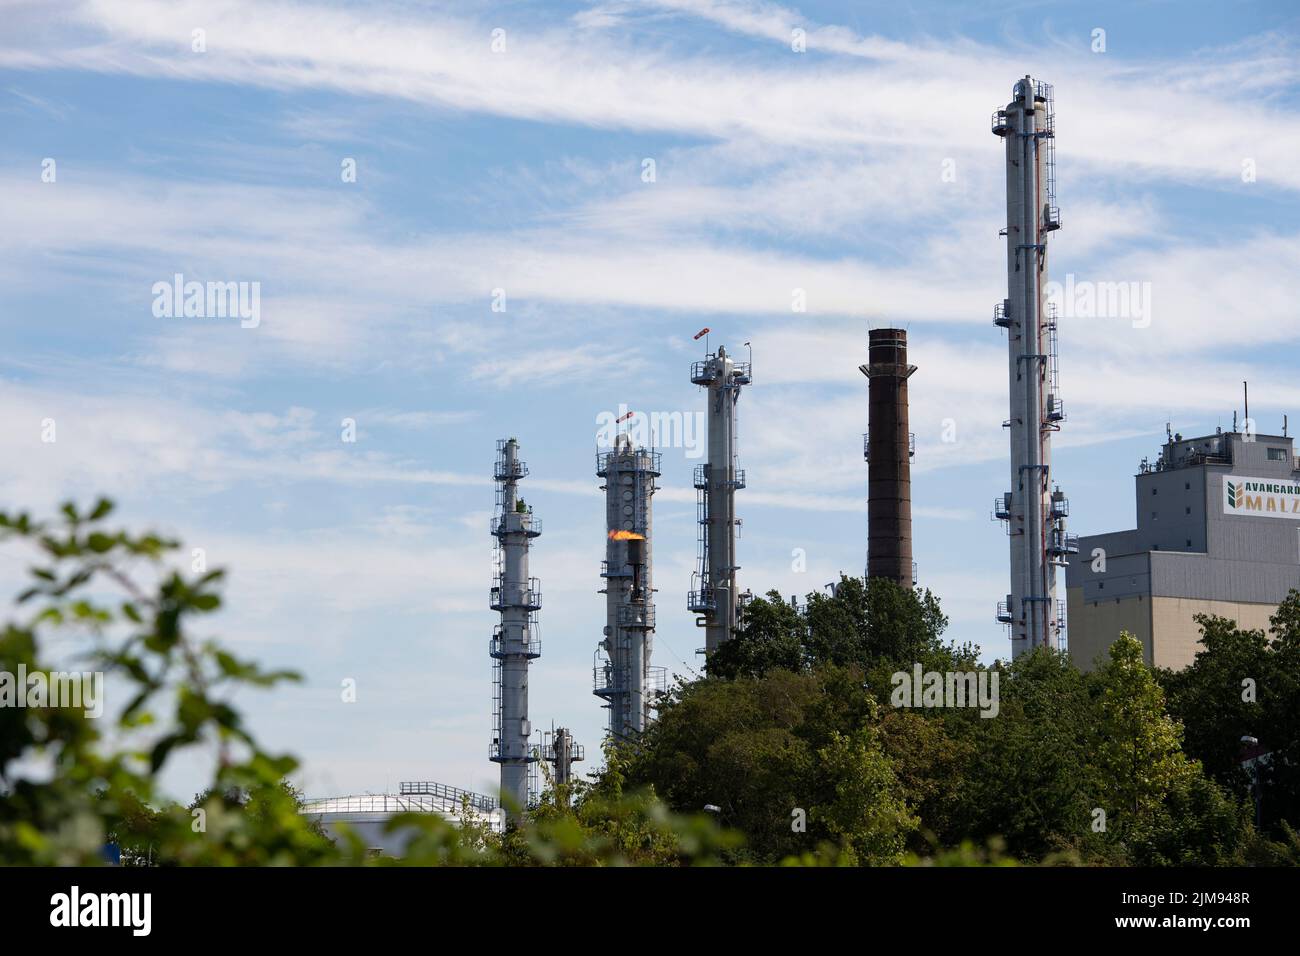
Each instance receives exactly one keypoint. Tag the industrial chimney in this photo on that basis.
(714, 596)
(888, 447)
(1034, 513)
(516, 641)
(621, 672)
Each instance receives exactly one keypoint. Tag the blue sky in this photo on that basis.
(522, 170)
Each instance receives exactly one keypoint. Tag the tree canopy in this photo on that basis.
(792, 750)
(796, 715)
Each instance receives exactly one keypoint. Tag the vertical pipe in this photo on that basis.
(612, 670)
(639, 628)
(722, 503)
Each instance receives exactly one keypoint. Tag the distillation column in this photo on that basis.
(562, 752)
(516, 641)
(622, 675)
(713, 595)
(888, 447)
(1035, 515)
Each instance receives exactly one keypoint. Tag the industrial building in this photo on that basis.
(1218, 532)
(1033, 509)
(888, 447)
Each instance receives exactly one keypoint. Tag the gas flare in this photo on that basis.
(625, 536)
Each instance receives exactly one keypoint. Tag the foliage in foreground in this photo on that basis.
(68, 787)
(792, 743)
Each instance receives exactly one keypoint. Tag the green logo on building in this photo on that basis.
(1260, 497)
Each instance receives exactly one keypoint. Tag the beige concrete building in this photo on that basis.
(1218, 533)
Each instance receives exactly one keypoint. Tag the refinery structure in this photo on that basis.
(1033, 509)
(515, 642)
(1218, 520)
(622, 674)
(714, 595)
(561, 751)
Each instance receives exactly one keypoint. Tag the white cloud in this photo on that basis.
(415, 419)
(556, 366)
(556, 75)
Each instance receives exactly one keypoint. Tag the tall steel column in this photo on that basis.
(714, 595)
(1035, 516)
(516, 640)
(622, 675)
(888, 447)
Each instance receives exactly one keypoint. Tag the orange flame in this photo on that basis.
(625, 536)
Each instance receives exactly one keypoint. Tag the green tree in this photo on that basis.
(859, 800)
(872, 622)
(1160, 804)
(1245, 682)
(933, 765)
(772, 636)
(88, 587)
(1032, 780)
(792, 760)
(1209, 699)
(1139, 751)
